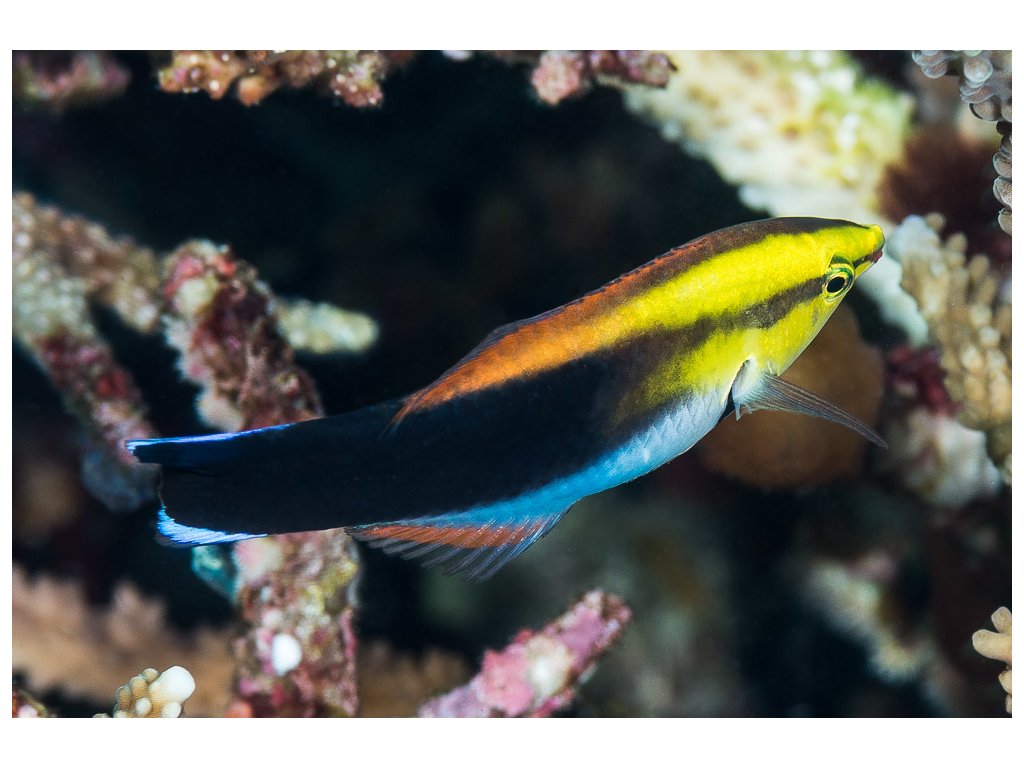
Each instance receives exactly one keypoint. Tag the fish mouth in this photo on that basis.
(875, 256)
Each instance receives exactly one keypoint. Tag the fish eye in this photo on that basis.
(837, 280)
(836, 284)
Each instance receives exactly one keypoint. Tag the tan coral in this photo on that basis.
(60, 641)
(998, 645)
(154, 694)
(968, 310)
(800, 133)
(395, 684)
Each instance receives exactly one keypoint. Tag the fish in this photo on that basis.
(470, 471)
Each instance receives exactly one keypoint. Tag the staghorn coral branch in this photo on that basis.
(63, 262)
(537, 674)
(355, 77)
(297, 655)
(221, 319)
(112, 271)
(224, 322)
(52, 321)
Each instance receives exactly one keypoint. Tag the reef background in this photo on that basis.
(460, 203)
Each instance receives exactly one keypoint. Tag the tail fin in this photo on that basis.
(281, 479)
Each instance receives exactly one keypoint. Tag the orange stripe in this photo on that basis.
(570, 332)
(467, 537)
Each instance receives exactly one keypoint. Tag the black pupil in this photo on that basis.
(836, 284)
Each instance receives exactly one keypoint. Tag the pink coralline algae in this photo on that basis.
(222, 320)
(537, 674)
(915, 374)
(297, 657)
(561, 74)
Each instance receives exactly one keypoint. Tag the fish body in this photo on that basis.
(474, 468)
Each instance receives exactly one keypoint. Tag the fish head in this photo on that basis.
(813, 271)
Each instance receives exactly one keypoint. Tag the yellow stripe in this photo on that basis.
(723, 283)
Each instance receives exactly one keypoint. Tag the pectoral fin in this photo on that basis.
(774, 394)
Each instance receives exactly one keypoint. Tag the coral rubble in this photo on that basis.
(998, 645)
(537, 674)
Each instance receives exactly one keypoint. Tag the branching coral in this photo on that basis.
(939, 459)
(797, 131)
(221, 319)
(297, 657)
(998, 645)
(113, 271)
(322, 328)
(986, 84)
(800, 134)
(537, 674)
(59, 641)
(224, 323)
(58, 81)
(201, 294)
(155, 694)
(353, 76)
(968, 311)
(52, 321)
(356, 76)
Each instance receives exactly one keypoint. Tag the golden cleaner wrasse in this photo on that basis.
(474, 468)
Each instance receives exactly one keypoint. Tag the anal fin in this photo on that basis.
(474, 544)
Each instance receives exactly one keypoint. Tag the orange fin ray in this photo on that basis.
(462, 543)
